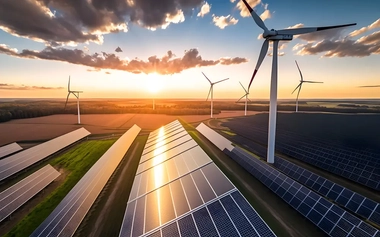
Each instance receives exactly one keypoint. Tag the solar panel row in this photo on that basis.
(25, 158)
(18, 194)
(67, 216)
(9, 149)
(218, 140)
(353, 201)
(330, 218)
(178, 191)
(354, 165)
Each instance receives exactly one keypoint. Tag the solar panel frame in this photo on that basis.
(9, 149)
(18, 194)
(192, 186)
(67, 216)
(23, 159)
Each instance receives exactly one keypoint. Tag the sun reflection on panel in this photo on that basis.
(159, 169)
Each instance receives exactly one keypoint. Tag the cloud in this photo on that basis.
(253, 3)
(204, 10)
(107, 73)
(118, 50)
(23, 87)
(165, 65)
(224, 21)
(232, 1)
(343, 48)
(57, 22)
(374, 25)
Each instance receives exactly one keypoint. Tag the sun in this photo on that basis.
(154, 83)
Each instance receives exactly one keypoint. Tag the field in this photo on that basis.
(72, 165)
(47, 127)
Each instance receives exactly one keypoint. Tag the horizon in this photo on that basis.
(161, 54)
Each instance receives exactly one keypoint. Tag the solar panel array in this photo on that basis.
(67, 216)
(21, 160)
(9, 149)
(18, 194)
(179, 191)
(353, 201)
(360, 166)
(329, 217)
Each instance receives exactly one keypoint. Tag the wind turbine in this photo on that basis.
(246, 99)
(300, 85)
(76, 94)
(212, 90)
(275, 36)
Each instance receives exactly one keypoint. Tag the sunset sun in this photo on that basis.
(154, 83)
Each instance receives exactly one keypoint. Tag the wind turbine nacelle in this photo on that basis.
(281, 37)
(269, 33)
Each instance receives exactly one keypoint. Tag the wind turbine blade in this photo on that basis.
(243, 88)
(299, 70)
(256, 17)
(305, 30)
(207, 78)
(299, 85)
(299, 90)
(313, 81)
(221, 80)
(241, 98)
(209, 92)
(67, 100)
(263, 52)
(371, 86)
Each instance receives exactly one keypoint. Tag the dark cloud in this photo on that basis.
(23, 87)
(58, 22)
(118, 50)
(339, 48)
(168, 64)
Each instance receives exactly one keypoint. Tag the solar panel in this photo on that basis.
(9, 149)
(67, 216)
(353, 201)
(219, 141)
(329, 217)
(179, 191)
(21, 160)
(18, 194)
(359, 166)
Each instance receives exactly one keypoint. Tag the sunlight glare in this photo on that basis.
(154, 83)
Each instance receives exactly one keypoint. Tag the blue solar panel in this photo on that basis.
(327, 216)
(353, 201)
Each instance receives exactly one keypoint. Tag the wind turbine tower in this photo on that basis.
(275, 36)
(246, 99)
(300, 85)
(212, 91)
(76, 94)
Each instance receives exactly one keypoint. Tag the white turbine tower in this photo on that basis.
(275, 36)
(246, 99)
(212, 90)
(300, 85)
(76, 94)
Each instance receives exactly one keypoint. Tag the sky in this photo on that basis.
(159, 49)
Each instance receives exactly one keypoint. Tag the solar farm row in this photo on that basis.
(18, 194)
(67, 216)
(181, 192)
(9, 149)
(361, 168)
(330, 218)
(21, 160)
(353, 201)
(350, 200)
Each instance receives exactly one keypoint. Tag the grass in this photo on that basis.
(106, 215)
(281, 218)
(76, 162)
